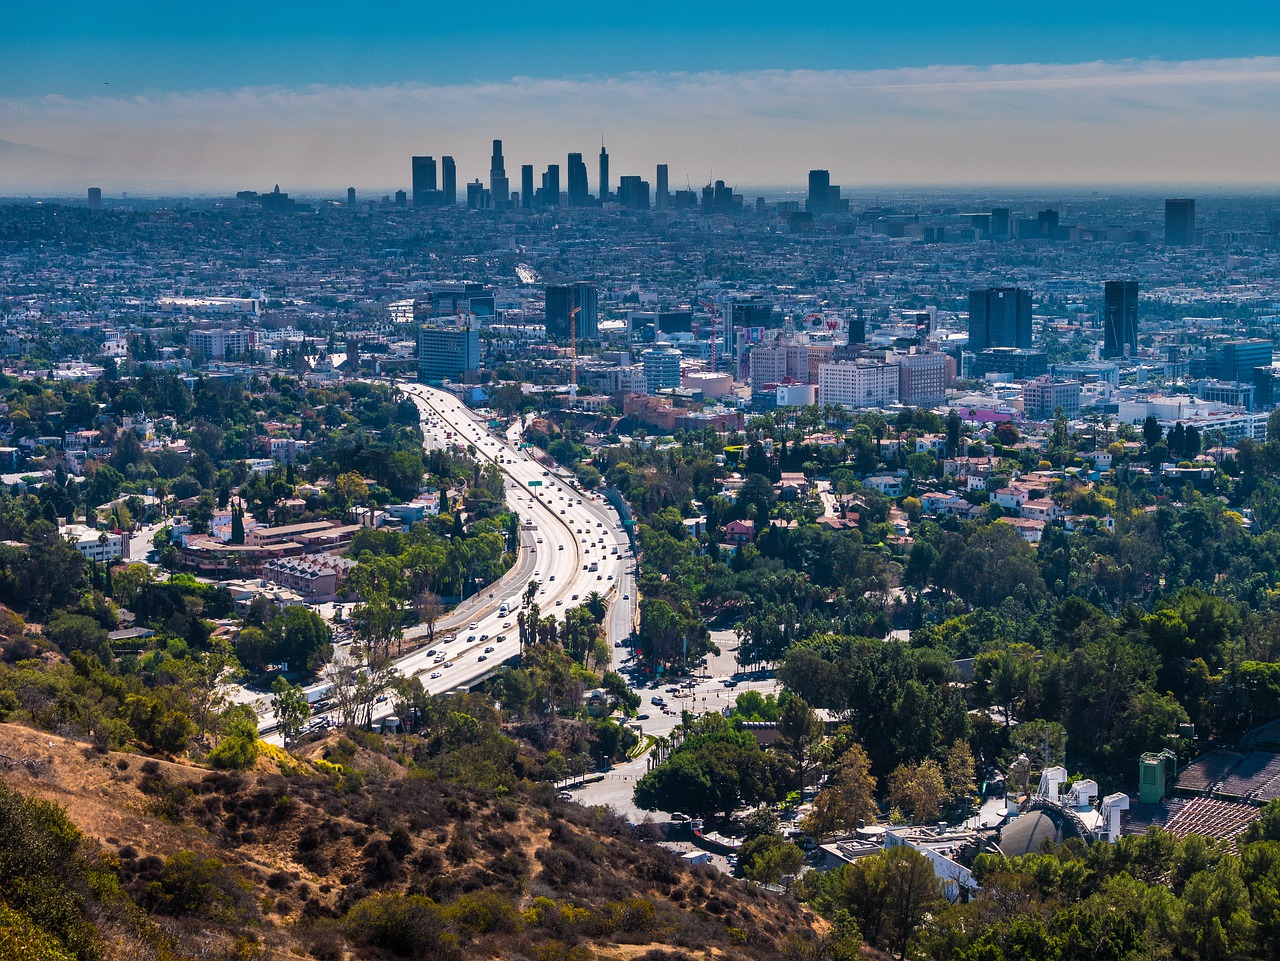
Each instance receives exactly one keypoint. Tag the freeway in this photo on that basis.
(571, 542)
(571, 532)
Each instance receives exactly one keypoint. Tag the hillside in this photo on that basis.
(355, 851)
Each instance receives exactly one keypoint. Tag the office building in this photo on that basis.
(1120, 319)
(661, 364)
(604, 175)
(1180, 222)
(1231, 393)
(1237, 359)
(1011, 363)
(477, 196)
(550, 193)
(579, 195)
(449, 181)
(561, 299)
(633, 193)
(718, 198)
(999, 317)
(922, 377)
(1048, 224)
(745, 311)
(526, 186)
(776, 363)
(424, 180)
(663, 197)
(499, 187)
(854, 384)
(858, 328)
(1000, 223)
(95, 198)
(351, 196)
(823, 197)
(402, 199)
(448, 353)
(219, 344)
(1044, 396)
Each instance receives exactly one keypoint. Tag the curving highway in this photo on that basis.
(571, 543)
(565, 533)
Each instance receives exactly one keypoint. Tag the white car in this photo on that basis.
(434, 675)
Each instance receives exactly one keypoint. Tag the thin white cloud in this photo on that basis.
(1209, 121)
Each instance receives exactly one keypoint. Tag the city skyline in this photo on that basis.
(152, 98)
(1162, 124)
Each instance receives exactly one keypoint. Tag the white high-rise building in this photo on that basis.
(858, 384)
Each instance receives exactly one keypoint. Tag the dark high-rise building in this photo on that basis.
(351, 196)
(1180, 222)
(402, 199)
(663, 196)
(477, 196)
(633, 193)
(561, 299)
(604, 175)
(858, 329)
(819, 181)
(1120, 319)
(823, 197)
(449, 182)
(551, 186)
(577, 175)
(717, 198)
(999, 317)
(95, 198)
(526, 185)
(424, 180)
(1238, 358)
(1000, 223)
(1048, 223)
(499, 186)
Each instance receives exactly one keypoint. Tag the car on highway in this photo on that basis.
(483, 657)
(434, 675)
(488, 650)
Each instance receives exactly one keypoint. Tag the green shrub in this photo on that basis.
(409, 926)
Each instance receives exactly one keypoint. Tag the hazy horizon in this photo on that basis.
(318, 96)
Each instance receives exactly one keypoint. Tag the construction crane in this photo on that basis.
(710, 307)
(573, 353)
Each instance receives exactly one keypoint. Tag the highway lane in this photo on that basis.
(565, 533)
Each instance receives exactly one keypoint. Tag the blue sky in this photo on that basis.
(74, 47)
(326, 93)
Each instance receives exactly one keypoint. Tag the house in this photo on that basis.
(1040, 509)
(937, 504)
(740, 532)
(886, 484)
(94, 545)
(1011, 498)
(1031, 531)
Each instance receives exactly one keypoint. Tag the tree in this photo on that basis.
(958, 772)
(1152, 432)
(890, 894)
(800, 729)
(205, 676)
(429, 608)
(289, 704)
(919, 790)
(848, 801)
